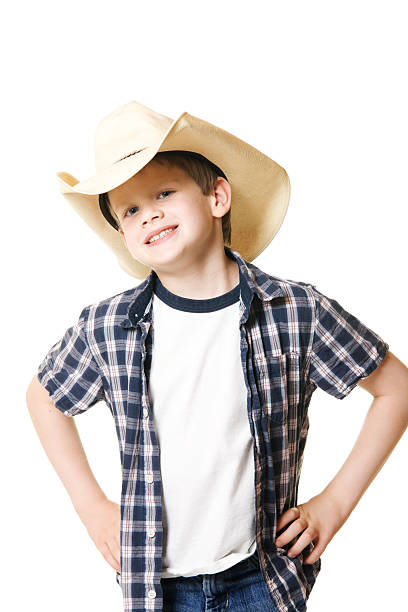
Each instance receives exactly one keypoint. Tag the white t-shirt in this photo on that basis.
(199, 401)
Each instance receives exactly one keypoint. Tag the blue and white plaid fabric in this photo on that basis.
(293, 340)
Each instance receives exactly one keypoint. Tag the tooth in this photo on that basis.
(163, 233)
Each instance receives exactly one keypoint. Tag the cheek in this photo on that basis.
(131, 239)
(197, 221)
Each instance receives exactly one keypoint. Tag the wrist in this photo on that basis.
(86, 506)
(339, 503)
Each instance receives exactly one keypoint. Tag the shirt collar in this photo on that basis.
(253, 281)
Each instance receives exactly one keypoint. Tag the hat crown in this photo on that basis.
(130, 128)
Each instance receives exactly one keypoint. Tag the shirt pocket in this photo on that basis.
(280, 384)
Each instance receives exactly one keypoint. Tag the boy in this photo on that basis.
(208, 367)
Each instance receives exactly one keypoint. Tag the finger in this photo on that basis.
(115, 554)
(315, 553)
(115, 548)
(305, 539)
(109, 557)
(290, 515)
(291, 532)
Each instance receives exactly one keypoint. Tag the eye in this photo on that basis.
(129, 209)
(165, 192)
(137, 208)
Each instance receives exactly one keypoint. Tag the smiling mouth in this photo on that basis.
(165, 237)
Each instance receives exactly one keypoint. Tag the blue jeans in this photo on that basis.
(240, 588)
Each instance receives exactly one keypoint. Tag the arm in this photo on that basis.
(387, 419)
(384, 425)
(60, 439)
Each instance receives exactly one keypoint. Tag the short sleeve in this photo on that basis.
(344, 350)
(69, 372)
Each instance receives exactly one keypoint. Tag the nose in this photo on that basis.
(150, 213)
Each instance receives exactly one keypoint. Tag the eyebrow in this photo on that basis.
(119, 208)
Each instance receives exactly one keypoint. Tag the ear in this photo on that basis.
(222, 192)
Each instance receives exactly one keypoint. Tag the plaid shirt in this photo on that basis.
(293, 340)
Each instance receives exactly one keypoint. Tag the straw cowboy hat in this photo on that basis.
(129, 137)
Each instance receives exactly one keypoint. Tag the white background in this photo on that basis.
(318, 86)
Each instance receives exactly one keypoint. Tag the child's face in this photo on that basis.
(162, 195)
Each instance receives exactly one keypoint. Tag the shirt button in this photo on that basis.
(145, 413)
(149, 478)
(151, 533)
(151, 594)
